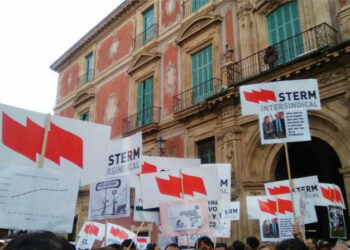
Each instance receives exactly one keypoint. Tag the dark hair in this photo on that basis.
(206, 241)
(238, 245)
(172, 245)
(221, 245)
(39, 241)
(151, 246)
(253, 242)
(114, 246)
(292, 244)
(126, 244)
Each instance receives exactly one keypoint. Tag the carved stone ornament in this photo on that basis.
(142, 60)
(170, 7)
(113, 49)
(112, 109)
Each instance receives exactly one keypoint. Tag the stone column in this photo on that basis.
(345, 171)
(344, 21)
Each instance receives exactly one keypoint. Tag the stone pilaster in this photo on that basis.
(344, 21)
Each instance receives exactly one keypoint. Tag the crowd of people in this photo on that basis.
(49, 241)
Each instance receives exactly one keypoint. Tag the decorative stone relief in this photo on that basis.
(170, 78)
(113, 49)
(69, 80)
(170, 7)
(229, 152)
(111, 110)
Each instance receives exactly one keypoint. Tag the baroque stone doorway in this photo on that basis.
(315, 157)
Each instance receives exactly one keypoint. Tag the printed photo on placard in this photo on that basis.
(337, 228)
(276, 228)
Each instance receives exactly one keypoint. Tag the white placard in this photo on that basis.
(230, 210)
(93, 229)
(110, 198)
(37, 199)
(117, 234)
(277, 228)
(331, 195)
(279, 96)
(85, 242)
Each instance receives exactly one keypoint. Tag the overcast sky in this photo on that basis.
(34, 33)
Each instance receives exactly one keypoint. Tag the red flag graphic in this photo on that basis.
(285, 206)
(142, 240)
(257, 96)
(268, 207)
(172, 186)
(147, 168)
(27, 141)
(116, 232)
(279, 190)
(329, 194)
(91, 229)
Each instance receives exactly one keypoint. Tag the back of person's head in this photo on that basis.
(292, 244)
(114, 246)
(266, 246)
(252, 242)
(238, 245)
(126, 244)
(323, 245)
(171, 246)
(39, 241)
(221, 245)
(151, 246)
(206, 241)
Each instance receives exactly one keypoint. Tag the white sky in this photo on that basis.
(34, 33)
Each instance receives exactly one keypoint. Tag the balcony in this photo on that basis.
(190, 6)
(281, 53)
(145, 118)
(85, 78)
(146, 36)
(196, 94)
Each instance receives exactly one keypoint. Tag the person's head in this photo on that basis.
(221, 246)
(238, 245)
(252, 243)
(115, 246)
(267, 119)
(311, 243)
(266, 246)
(172, 246)
(151, 246)
(205, 243)
(125, 244)
(39, 241)
(292, 244)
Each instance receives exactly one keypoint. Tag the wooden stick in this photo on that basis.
(291, 184)
(105, 241)
(214, 243)
(334, 193)
(43, 147)
(138, 230)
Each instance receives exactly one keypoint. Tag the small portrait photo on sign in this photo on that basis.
(337, 227)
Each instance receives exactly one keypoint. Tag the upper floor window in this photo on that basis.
(88, 72)
(202, 74)
(148, 25)
(145, 102)
(285, 32)
(206, 150)
(85, 116)
(196, 4)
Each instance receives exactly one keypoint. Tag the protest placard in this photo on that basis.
(141, 242)
(337, 227)
(331, 195)
(280, 96)
(230, 210)
(110, 198)
(85, 242)
(37, 199)
(277, 228)
(179, 217)
(117, 234)
(94, 229)
(73, 146)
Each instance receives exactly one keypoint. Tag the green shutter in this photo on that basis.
(140, 104)
(202, 75)
(145, 102)
(282, 24)
(88, 73)
(196, 4)
(148, 26)
(85, 116)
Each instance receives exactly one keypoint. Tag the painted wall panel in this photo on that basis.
(67, 112)
(69, 80)
(170, 77)
(170, 12)
(174, 147)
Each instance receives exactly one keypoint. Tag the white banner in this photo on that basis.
(125, 156)
(277, 228)
(331, 195)
(117, 234)
(141, 242)
(230, 210)
(284, 126)
(37, 199)
(93, 229)
(110, 198)
(73, 146)
(279, 96)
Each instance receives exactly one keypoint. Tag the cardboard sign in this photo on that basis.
(85, 242)
(181, 217)
(230, 210)
(117, 234)
(37, 199)
(110, 198)
(331, 195)
(93, 229)
(125, 156)
(73, 146)
(337, 227)
(277, 228)
(280, 96)
(284, 126)
(141, 242)
(195, 183)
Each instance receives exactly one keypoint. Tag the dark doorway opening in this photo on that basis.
(315, 157)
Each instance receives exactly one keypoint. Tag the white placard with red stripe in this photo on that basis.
(117, 234)
(279, 96)
(141, 242)
(331, 195)
(165, 186)
(72, 145)
(93, 229)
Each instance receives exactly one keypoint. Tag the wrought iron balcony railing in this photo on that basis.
(190, 6)
(145, 117)
(146, 36)
(196, 94)
(281, 53)
(85, 78)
